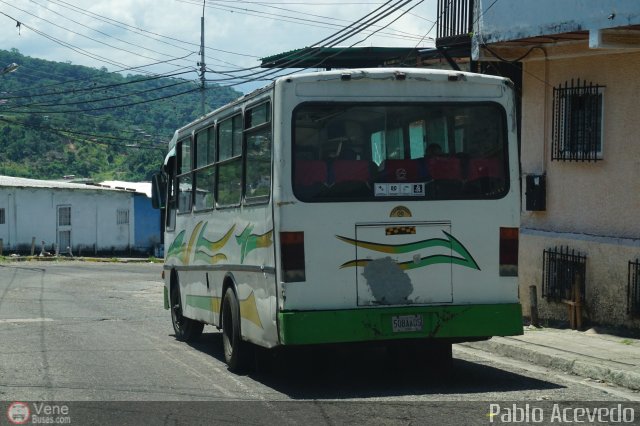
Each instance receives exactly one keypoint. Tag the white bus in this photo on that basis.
(370, 205)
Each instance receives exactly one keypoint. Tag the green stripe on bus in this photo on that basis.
(370, 324)
(202, 302)
(166, 297)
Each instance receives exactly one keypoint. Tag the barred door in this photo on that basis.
(64, 229)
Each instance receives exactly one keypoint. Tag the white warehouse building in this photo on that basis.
(83, 219)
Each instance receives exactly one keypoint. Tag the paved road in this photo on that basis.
(79, 331)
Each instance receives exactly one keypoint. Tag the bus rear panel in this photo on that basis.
(397, 208)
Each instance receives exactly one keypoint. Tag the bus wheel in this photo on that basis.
(185, 328)
(236, 352)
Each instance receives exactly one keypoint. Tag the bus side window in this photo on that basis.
(258, 155)
(204, 174)
(229, 184)
(185, 178)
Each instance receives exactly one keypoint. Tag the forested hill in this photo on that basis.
(59, 119)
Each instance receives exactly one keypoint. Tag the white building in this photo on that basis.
(86, 219)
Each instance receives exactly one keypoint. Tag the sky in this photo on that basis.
(163, 36)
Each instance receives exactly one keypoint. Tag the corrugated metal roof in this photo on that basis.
(52, 184)
(342, 57)
(138, 187)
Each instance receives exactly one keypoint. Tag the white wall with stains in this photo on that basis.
(31, 212)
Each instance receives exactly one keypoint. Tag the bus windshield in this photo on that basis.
(377, 152)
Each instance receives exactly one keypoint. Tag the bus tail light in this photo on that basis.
(292, 256)
(509, 252)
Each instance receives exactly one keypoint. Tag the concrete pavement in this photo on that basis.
(599, 356)
(593, 354)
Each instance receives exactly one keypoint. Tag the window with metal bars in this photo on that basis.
(577, 122)
(563, 273)
(64, 216)
(633, 289)
(122, 217)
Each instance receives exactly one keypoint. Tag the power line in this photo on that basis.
(94, 88)
(290, 19)
(139, 54)
(386, 10)
(125, 95)
(140, 31)
(66, 132)
(108, 107)
(65, 44)
(331, 41)
(153, 77)
(329, 18)
(99, 32)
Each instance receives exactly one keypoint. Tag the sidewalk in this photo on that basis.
(605, 357)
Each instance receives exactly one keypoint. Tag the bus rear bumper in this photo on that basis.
(454, 323)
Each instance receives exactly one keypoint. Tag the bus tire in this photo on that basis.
(185, 329)
(236, 352)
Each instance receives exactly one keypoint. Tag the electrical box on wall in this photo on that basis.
(536, 193)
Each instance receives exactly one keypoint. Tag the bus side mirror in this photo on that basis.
(159, 190)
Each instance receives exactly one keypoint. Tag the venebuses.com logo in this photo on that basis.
(20, 413)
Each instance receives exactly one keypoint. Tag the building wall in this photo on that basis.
(147, 221)
(32, 212)
(516, 19)
(591, 207)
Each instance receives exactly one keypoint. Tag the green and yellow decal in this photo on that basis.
(249, 242)
(181, 250)
(248, 306)
(177, 247)
(464, 258)
(211, 251)
(206, 250)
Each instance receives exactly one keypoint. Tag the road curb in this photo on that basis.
(593, 368)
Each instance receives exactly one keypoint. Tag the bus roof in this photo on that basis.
(426, 74)
(396, 73)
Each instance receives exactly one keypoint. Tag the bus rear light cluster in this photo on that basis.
(509, 252)
(292, 256)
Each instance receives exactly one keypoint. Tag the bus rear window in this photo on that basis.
(374, 152)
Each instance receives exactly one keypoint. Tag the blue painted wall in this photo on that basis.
(147, 224)
(516, 19)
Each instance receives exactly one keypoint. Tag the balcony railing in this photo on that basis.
(454, 22)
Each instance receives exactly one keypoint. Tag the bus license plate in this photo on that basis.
(404, 323)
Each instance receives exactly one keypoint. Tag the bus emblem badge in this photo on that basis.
(400, 211)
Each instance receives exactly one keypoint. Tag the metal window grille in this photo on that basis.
(2, 219)
(633, 289)
(454, 18)
(122, 217)
(562, 269)
(64, 216)
(577, 122)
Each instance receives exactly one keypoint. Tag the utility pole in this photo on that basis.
(201, 64)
